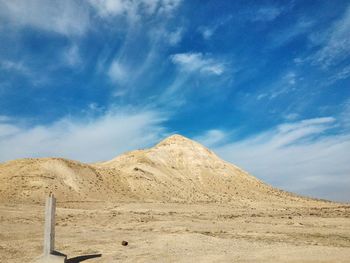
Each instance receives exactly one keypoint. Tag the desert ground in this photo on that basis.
(165, 232)
(174, 202)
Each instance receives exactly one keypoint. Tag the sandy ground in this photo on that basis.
(163, 232)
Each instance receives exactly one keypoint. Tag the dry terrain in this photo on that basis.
(175, 202)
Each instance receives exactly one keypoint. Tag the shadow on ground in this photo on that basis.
(82, 258)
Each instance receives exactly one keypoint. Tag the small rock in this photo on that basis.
(125, 243)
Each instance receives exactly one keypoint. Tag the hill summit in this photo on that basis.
(175, 170)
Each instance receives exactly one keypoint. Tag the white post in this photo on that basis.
(49, 236)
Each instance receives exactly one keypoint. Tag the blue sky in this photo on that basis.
(265, 84)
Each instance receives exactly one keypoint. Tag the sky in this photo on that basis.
(264, 84)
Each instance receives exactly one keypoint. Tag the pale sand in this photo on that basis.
(159, 232)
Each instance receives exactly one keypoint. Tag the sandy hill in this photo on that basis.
(176, 170)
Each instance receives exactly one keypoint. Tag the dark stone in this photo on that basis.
(125, 243)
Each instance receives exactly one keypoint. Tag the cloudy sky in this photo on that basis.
(265, 84)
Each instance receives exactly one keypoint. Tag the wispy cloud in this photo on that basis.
(283, 86)
(212, 138)
(301, 27)
(175, 37)
(15, 66)
(88, 140)
(74, 17)
(118, 72)
(6, 129)
(4, 118)
(148, 32)
(71, 56)
(342, 74)
(334, 42)
(67, 17)
(110, 7)
(300, 156)
(345, 115)
(291, 116)
(207, 32)
(267, 13)
(19, 68)
(163, 35)
(166, 7)
(197, 62)
(133, 10)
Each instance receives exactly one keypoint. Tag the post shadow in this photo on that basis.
(82, 258)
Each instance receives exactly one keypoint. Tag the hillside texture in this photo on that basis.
(177, 170)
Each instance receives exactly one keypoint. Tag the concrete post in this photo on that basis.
(49, 235)
(50, 255)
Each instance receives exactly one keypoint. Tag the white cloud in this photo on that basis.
(302, 26)
(331, 45)
(19, 67)
(212, 138)
(192, 62)
(160, 35)
(4, 118)
(284, 85)
(207, 32)
(117, 72)
(71, 56)
(268, 13)
(167, 7)
(292, 116)
(86, 140)
(299, 157)
(342, 74)
(67, 17)
(150, 6)
(134, 9)
(290, 78)
(7, 129)
(109, 7)
(335, 43)
(261, 96)
(175, 37)
(345, 115)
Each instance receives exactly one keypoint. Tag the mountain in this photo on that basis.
(175, 170)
